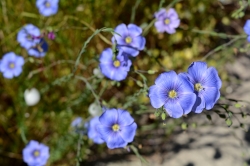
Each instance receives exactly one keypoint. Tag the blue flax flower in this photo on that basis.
(47, 7)
(206, 83)
(129, 39)
(35, 154)
(117, 128)
(114, 68)
(174, 92)
(92, 132)
(167, 20)
(28, 36)
(79, 126)
(11, 65)
(39, 50)
(247, 29)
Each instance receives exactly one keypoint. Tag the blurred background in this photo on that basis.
(210, 31)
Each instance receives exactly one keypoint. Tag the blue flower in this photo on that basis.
(92, 132)
(35, 154)
(79, 126)
(247, 29)
(174, 92)
(129, 39)
(117, 128)
(28, 36)
(47, 7)
(39, 50)
(11, 65)
(167, 20)
(114, 68)
(206, 83)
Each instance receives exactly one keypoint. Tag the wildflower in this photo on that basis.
(174, 92)
(247, 29)
(39, 50)
(92, 132)
(95, 109)
(32, 96)
(35, 154)
(117, 128)
(79, 126)
(51, 35)
(117, 68)
(28, 36)
(206, 83)
(47, 7)
(129, 39)
(167, 20)
(11, 65)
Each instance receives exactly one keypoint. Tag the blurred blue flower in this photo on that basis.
(40, 49)
(47, 7)
(129, 39)
(174, 92)
(247, 29)
(167, 20)
(92, 132)
(35, 154)
(28, 36)
(11, 65)
(114, 68)
(117, 128)
(79, 126)
(206, 83)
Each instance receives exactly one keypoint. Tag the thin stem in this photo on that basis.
(134, 10)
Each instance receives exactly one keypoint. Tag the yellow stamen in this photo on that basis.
(128, 39)
(117, 63)
(167, 21)
(11, 65)
(198, 87)
(36, 153)
(47, 4)
(172, 94)
(115, 127)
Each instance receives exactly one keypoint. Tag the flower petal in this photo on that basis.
(134, 30)
(186, 85)
(106, 56)
(166, 80)
(104, 132)
(210, 96)
(160, 26)
(173, 109)
(109, 117)
(128, 132)
(157, 96)
(187, 101)
(124, 118)
(199, 105)
(116, 141)
(138, 42)
(196, 71)
(211, 78)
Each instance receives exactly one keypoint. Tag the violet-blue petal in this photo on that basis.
(128, 132)
(134, 29)
(166, 80)
(211, 78)
(109, 117)
(187, 101)
(124, 118)
(157, 96)
(116, 141)
(210, 96)
(138, 42)
(199, 104)
(247, 27)
(196, 71)
(92, 131)
(174, 109)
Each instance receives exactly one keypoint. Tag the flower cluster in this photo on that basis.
(35, 154)
(180, 94)
(129, 41)
(167, 20)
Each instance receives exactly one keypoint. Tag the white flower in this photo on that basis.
(95, 109)
(32, 96)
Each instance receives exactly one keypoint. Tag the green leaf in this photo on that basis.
(163, 116)
(229, 122)
(139, 83)
(157, 113)
(151, 72)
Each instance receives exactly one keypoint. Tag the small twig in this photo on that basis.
(134, 10)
